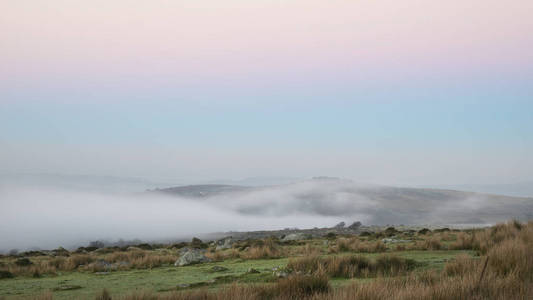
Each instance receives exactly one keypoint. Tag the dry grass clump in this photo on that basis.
(140, 259)
(104, 295)
(444, 288)
(352, 266)
(512, 256)
(268, 250)
(223, 254)
(308, 249)
(464, 241)
(433, 243)
(354, 244)
(77, 260)
(461, 265)
(36, 269)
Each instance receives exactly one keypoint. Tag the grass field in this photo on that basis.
(345, 262)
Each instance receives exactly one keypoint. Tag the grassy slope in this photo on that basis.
(167, 278)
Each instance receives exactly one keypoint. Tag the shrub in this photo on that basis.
(23, 262)
(6, 274)
(424, 231)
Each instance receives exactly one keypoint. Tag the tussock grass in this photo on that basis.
(269, 249)
(352, 266)
(354, 244)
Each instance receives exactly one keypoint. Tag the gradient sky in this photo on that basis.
(383, 91)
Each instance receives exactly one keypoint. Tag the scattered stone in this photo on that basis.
(102, 265)
(183, 285)
(123, 264)
(192, 256)
(218, 269)
(252, 271)
(280, 272)
(295, 237)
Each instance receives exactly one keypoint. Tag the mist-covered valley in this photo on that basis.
(51, 215)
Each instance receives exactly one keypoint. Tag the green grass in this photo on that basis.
(168, 278)
(121, 282)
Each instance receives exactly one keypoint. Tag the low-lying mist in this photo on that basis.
(47, 218)
(51, 216)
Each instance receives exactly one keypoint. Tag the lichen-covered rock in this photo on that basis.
(192, 256)
(224, 243)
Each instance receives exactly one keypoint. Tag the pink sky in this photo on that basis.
(202, 41)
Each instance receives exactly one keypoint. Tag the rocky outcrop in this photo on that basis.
(192, 256)
(224, 243)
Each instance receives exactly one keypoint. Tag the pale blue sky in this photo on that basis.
(416, 92)
(399, 136)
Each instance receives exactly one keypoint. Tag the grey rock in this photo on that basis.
(218, 269)
(280, 272)
(103, 264)
(295, 237)
(192, 256)
(224, 243)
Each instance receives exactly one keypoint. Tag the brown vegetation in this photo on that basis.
(352, 266)
(507, 258)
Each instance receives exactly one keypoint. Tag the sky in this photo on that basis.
(383, 91)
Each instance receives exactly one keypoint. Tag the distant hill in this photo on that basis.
(371, 203)
(204, 190)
